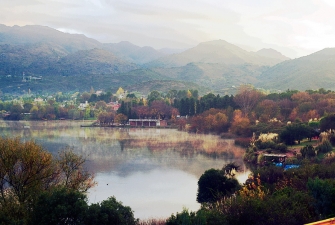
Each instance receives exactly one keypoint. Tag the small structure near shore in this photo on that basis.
(147, 123)
(274, 158)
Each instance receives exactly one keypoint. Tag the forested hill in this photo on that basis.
(310, 72)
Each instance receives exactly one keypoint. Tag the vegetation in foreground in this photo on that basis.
(38, 188)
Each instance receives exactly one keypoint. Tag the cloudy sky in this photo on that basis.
(293, 27)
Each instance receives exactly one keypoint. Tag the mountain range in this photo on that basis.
(55, 61)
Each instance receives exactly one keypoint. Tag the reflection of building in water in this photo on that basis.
(147, 123)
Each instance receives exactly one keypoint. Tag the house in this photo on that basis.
(38, 100)
(147, 123)
(114, 105)
(83, 106)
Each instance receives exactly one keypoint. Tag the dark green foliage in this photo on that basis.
(230, 168)
(281, 147)
(193, 106)
(110, 211)
(70, 207)
(265, 144)
(327, 122)
(296, 132)
(15, 112)
(187, 218)
(284, 207)
(308, 151)
(270, 175)
(60, 207)
(323, 192)
(325, 146)
(214, 184)
(263, 128)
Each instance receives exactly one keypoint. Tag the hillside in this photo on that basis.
(141, 80)
(134, 53)
(68, 62)
(71, 43)
(90, 62)
(165, 86)
(220, 78)
(272, 54)
(309, 72)
(33, 34)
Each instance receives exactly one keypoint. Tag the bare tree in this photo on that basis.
(247, 98)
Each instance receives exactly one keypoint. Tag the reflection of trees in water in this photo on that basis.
(130, 150)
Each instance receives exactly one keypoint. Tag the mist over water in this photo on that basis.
(154, 171)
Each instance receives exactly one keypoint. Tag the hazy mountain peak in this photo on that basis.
(271, 53)
(216, 51)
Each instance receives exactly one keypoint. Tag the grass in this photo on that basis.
(303, 143)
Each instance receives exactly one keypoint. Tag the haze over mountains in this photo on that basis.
(72, 62)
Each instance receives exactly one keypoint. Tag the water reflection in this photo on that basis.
(154, 171)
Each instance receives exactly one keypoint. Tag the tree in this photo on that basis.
(240, 125)
(120, 91)
(110, 211)
(230, 169)
(101, 105)
(213, 185)
(154, 95)
(60, 206)
(26, 169)
(121, 118)
(187, 218)
(160, 109)
(308, 151)
(247, 98)
(85, 96)
(327, 122)
(15, 112)
(296, 132)
(267, 109)
(323, 192)
(27, 107)
(72, 174)
(64, 206)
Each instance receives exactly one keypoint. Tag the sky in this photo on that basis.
(293, 27)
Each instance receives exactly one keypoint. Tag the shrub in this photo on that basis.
(325, 146)
(308, 151)
(281, 147)
(187, 218)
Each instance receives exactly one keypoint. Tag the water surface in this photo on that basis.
(154, 171)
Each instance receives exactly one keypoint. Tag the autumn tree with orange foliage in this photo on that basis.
(240, 125)
(212, 120)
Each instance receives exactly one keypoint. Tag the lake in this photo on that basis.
(154, 171)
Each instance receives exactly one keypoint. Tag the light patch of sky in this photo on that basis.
(294, 27)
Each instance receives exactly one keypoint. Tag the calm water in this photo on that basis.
(154, 171)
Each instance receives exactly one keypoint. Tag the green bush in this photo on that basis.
(187, 218)
(214, 184)
(281, 147)
(325, 146)
(308, 151)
